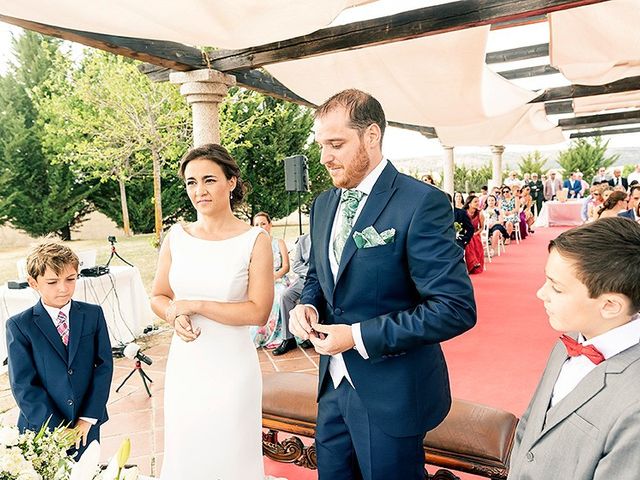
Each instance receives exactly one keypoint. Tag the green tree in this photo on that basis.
(474, 178)
(259, 132)
(36, 195)
(532, 162)
(586, 155)
(117, 126)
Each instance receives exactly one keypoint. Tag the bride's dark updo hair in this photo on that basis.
(217, 154)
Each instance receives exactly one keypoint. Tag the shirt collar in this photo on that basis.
(616, 340)
(366, 185)
(53, 311)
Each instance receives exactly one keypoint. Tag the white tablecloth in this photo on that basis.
(121, 294)
(559, 213)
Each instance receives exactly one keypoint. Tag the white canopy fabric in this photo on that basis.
(612, 101)
(441, 80)
(526, 125)
(597, 44)
(217, 23)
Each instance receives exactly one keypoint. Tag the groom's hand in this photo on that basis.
(300, 320)
(332, 339)
(184, 329)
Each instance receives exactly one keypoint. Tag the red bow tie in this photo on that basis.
(575, 349)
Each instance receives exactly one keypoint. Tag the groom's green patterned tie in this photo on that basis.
(349, 201)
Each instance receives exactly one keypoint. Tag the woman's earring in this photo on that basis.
(231, 196)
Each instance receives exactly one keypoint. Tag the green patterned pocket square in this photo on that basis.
(369, 237)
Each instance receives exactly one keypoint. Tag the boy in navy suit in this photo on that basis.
(60, 363)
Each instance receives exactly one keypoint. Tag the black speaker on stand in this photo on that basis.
(296, 179)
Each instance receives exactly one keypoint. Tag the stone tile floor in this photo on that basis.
(135, 415)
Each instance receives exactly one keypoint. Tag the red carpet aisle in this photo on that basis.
(499, 362)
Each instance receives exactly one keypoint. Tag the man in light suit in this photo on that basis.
(552, 186)
(584, 419)
(386, 284)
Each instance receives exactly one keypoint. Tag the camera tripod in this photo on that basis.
(142, 373)
(114, 253)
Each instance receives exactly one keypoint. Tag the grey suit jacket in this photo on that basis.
(592, 433)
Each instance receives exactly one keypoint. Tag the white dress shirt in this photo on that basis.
(337, 367)
(53, 313)
(609, 343)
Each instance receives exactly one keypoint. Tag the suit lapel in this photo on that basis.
(591, 385)
(76, 319)
(43, 321)
(543, 398)
(378, 199)
(325, 224)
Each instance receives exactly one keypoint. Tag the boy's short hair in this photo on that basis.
(606, 256)
(50, 254)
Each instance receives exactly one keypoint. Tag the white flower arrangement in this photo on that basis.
(43, 456)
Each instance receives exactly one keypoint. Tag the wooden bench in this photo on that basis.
(473, 438)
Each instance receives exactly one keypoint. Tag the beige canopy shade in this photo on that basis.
(219, 23)
(597, 44)
(440, 80)
(525, 125)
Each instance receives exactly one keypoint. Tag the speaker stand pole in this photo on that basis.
(299, 215)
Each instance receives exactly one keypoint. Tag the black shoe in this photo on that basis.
(306, 344)
(285, 346)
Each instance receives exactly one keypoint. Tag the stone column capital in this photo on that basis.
(204, 90)
(497, 149)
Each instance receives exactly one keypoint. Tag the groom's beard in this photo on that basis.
(354, 170)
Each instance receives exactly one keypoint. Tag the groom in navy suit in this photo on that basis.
(386, 284)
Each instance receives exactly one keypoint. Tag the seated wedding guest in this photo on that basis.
(600, 177)
(60, 363)
(458, 200)
(583, 183)
(271, 334)
(492, 217)
(291, 295)
(526, 211)
(612, 206)
(474, 252)
(462, 225)
(428, 179)
(592, 204)
(584, 418)
(484, 192)
(634, 176)
(634, 203)
(510, 208)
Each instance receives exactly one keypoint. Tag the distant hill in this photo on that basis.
(628, 155)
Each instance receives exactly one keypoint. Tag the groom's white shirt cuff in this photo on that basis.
(355, 332)
(92, 421)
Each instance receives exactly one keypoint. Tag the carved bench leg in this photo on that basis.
(441, 474)
(290, 450)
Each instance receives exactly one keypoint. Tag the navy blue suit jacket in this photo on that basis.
(51, 380)
(408, 295)
(574, 190)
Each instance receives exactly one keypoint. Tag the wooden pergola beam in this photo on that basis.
(516, 54)
(418, 23)
(600, 120)
(599, 133)
(528, 72)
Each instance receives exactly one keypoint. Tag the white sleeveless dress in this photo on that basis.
(213, 385)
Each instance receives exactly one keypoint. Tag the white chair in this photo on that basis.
(486, 245)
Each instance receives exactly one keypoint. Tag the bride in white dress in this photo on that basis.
(214, 280)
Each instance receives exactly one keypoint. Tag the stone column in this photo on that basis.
(204, 90)
(496, 162)
(448, 170)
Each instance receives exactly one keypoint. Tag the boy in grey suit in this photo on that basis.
(584, 419)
